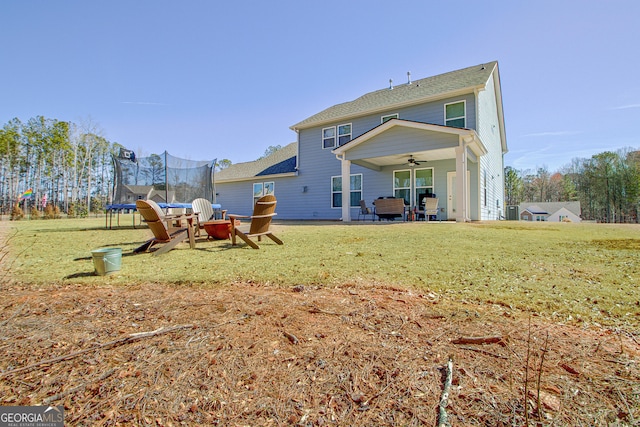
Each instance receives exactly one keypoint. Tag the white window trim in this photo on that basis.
(415, 184)
(335, 138)
(464, 102)
(389, 117)
(413, 187)
(393, 181)
(333, 192)
(264, 185)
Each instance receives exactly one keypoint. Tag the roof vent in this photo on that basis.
(482, 67)
(408, 77)
(390, 83)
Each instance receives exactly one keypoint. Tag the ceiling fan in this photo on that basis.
(413, 162)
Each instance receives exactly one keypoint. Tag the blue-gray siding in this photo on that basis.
(308, 195)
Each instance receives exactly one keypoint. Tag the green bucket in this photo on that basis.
(106, 260)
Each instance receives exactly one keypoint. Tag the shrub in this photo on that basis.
(51, 212)
(16, 213)
(77, 210)
(35, 214)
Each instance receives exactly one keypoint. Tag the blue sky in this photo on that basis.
(212, 79)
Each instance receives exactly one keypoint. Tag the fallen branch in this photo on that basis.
(569, 368)
(72, 390)
(443, 418)
(544, 351)
(119, 341)
(477, 340)
(15, 313)
(488, 353)
(292, 338)
(318, 310)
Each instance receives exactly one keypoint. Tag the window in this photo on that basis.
(262, 189)
(344, 135)
(454, 114)
(329, 137)
(385, 119)
(484, 186)
(355, 191)
(402, 185)
(423, 184)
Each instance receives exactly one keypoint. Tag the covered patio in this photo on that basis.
(397, 142)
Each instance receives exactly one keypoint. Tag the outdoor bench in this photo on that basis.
(389, 208)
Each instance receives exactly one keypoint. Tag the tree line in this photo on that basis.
(66, 165)
(70, 166)
(607, 185)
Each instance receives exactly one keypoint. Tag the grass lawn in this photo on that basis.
(569, 272)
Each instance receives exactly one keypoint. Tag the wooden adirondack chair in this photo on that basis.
(263, 211)
(167, 229)
(203, 211)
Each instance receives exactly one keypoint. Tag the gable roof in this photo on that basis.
(440, 86)
(536, 210)
(281, 162)
(550, 208)
(138, 189)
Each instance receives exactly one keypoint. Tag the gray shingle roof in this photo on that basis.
(551, 207)
(282, 161)
(536, 210)
(405, 94)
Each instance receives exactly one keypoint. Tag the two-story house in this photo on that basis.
(441, 136)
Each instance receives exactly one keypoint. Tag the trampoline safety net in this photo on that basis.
(163, 178)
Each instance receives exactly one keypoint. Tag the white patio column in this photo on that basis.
(461, 183)
(346, 189)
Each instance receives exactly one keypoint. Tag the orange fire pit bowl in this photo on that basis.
(219, 229)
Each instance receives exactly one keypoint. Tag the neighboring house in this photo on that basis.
(551, 211)
(162, 196)
(131, 193)
(442, 136)
(238, 186)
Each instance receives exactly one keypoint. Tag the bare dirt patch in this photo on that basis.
(252, 354)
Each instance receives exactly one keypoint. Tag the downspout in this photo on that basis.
(166, 183)
(214, 194)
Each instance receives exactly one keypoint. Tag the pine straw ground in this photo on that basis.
(262, 355)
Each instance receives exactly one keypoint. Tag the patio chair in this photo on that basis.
(430, 207)
(167, 229)
(365, 210)
(203, 211)
(263, 212)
